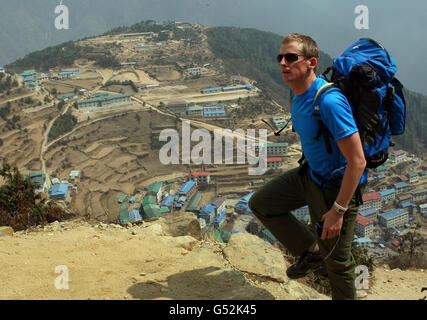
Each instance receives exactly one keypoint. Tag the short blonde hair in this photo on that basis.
(309, 46)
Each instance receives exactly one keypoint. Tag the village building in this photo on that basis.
(155, 190)
(363, 242)
(412, 177)
(401, 187)
(371, 213)
(207, 213)
(301, 213)
(272, 148)
(398, 156)
(103, 100)
(193, 205)
(408, 207)
(364, 226)
(388, 195)
(419, 195)
(39, 178)
(178, 107)
(371, 200)
(201, 177)
(188, 189)
(220, 220)
(242, 205)
(58, 191)
(195, 111)
(219, 204)
(393, 218)
(214, 111)
(279, 122)
(274, 162)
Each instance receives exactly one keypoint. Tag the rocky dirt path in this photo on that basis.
(163, 259)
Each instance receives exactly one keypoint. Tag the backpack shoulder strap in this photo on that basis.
(323, 130)
(323, 89)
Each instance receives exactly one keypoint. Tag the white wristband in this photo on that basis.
(339, 208)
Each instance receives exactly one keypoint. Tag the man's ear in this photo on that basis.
(313, 63)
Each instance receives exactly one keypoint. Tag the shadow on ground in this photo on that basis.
(200, 284)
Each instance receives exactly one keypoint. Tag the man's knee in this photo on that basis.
(255, 203)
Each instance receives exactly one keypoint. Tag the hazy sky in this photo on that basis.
(399, 25)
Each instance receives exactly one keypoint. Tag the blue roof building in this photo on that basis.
(363, 242)
(370, 213)
(246, 198)
(219, 220)
(167, 202)
(392, 213)
(394, 218)
(207, 213)
(218, 113)
(186, 187)
(134, 216)
(207, 90)
(58, 191)
(387, 192)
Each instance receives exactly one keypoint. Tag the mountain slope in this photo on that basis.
(156, 260)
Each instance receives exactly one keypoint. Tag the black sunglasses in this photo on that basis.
(289, 57)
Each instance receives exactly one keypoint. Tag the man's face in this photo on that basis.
(297, 70)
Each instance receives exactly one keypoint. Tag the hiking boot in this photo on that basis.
(307, 261)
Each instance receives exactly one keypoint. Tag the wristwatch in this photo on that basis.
(338, 208)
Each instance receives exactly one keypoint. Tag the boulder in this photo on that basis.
(181, 224)
(251, 254)
(6, 231)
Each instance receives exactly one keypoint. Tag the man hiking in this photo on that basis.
(326, 181)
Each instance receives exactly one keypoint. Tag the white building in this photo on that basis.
(272, 148)
(371, 200)
(398, 156)
(419, 195)
(200, 177)
(301, 213)
(219, 204)
(393, 218)
(388, 195)
(274, 162)
(364, 226)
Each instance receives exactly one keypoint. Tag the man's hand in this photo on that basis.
(332, 224)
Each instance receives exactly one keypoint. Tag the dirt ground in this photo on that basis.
(106, 261)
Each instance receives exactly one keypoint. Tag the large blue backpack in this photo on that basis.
(365, 74)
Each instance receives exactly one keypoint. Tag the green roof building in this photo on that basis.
(27, 73)
(121, 197)
(155, 187)
(149, 200)
(104, 100)
(67, 96)
(381, 169)
(151, 211)
(124, 213)
(194, 202)
(164, 210)
(38, 177)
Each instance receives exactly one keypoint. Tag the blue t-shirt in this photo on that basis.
(336, 114)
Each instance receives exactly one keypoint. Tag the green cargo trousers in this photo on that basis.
(272, 205)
